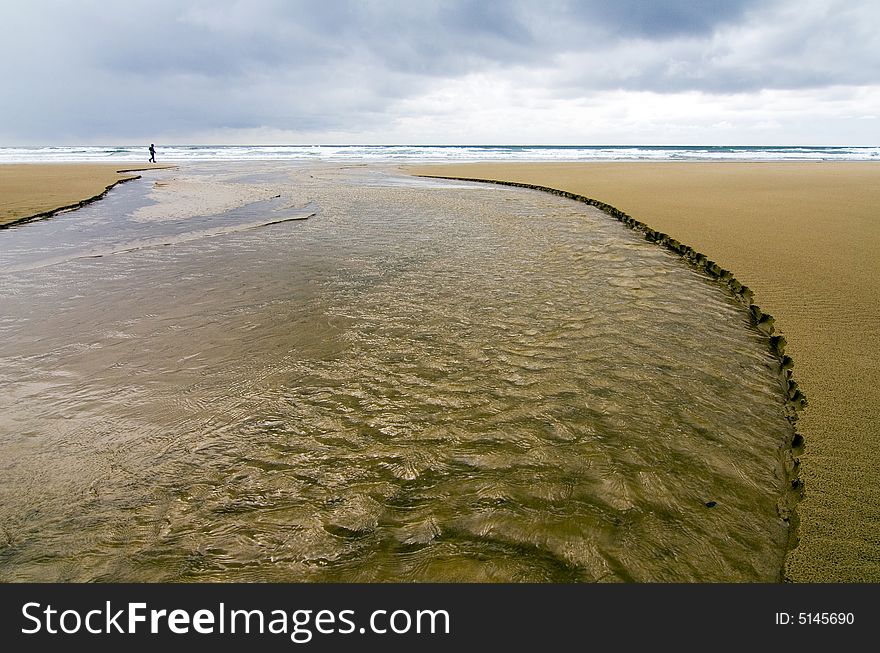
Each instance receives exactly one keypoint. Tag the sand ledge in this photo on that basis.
(795, 400)
(69, 207)
(35, 191)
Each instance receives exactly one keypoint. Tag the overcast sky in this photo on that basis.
(441, 72)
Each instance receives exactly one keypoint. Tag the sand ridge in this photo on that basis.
(182, 197)
(806, 238)
(31, 191)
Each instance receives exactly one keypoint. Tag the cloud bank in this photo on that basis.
(464, 71)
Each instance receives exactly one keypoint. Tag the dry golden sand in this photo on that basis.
(806, 238)
(31, 189)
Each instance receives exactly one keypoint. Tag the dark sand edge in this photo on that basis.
(794, 399)
(81, 203)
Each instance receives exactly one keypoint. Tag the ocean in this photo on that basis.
(435, 153)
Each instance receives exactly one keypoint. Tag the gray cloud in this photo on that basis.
(86, 72)
(662, 20)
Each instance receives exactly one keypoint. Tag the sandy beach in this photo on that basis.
(415, 384)
(803, 236)
(33, 189)
(806, 238)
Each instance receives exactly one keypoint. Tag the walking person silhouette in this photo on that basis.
(152, 153)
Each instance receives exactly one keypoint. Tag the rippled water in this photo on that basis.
(422, 381)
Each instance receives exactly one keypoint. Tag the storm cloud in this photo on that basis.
(442, 71)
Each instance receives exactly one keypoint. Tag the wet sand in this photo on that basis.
(803, 236)
(806, 238)
(425, 381)
(34, 190)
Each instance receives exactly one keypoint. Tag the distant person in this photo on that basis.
(152, 153)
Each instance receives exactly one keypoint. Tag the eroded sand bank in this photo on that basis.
(806, 238)
(32, 190)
